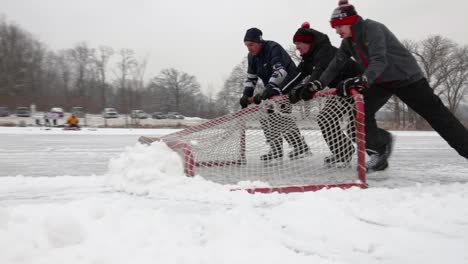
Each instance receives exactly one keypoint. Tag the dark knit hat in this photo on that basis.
(344, 14)
(254, 35)
(304, 34)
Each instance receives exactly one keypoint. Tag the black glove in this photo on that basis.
(257, 99)
(358, 82)
(244, 101)
(270, 90)
(309, 88)
(295, 94)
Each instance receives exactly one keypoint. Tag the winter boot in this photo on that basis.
(299, 152)
(294, 139)
(377, 162)
(389, 147)
(275, 152)
(340, 160)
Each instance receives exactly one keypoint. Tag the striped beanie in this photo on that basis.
(344, 14)
(304, 34)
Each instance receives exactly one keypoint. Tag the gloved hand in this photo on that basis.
(358, 82)
(244, 101)
(270, 90)
(295, 94)
(309, 88)
(257, 99)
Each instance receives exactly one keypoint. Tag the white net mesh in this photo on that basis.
(276, 146)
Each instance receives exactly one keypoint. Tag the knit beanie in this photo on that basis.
(344, 14)
(254, 35)
(304, 34)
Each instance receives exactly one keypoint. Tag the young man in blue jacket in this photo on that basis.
(390, 69)
(269, 61)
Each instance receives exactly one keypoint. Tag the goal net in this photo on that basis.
(276, 146)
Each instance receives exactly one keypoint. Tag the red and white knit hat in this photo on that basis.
(304, 34)
(344, 14)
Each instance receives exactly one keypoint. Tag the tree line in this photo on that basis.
(95, 78)
(84, 76)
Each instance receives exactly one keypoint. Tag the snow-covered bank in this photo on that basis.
(190, 223)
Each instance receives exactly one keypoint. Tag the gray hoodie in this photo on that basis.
(382, 55)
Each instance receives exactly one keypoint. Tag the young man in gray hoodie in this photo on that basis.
(390, 69)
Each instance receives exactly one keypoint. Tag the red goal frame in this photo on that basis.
(185, 150)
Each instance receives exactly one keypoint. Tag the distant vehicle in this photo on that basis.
(138, 114)
(174, 115)
(109, 113)
(23, 111)
(57, 110)
(158, 115)
(4, 111)
(78, 111)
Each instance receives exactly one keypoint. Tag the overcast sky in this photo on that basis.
(205, 37)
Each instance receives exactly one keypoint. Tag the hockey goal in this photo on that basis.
(279, 147)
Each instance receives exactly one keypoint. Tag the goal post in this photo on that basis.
(255, 148)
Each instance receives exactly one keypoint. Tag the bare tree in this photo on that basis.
(21, 58)
(125, 67)
(433, 54)
(180, 87)
(82, 57)
(456, 80)
(101, 59)
(439, 59)
(233, 87)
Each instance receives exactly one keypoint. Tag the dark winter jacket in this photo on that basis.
(316, 60)
(266, 64)
(382, 55)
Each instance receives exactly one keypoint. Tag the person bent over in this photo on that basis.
(390, 69)
(317, 52)
(269, 61)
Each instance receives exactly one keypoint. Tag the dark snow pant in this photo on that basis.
(420, 97)
(277, 126)
(329, 118)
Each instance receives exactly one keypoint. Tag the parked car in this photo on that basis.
(57, 110)
(23, 111)
(174, 115)
(109, 113)
(138, 114)
(158, 115)
(4, 111)
(78, 111)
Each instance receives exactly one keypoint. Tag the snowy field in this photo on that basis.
(96, 196)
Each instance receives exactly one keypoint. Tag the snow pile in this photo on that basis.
(153, 170)
(142, 168)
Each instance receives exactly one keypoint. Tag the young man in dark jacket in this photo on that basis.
(268, 61)
(390, 69)
(317, 52)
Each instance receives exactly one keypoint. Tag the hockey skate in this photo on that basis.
(379, 161)
(340, 159)
(299, 152)
(337, 161)
(274, 155)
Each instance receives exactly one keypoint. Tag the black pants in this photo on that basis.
(420, 97)
(277, 126)
(329, 118)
